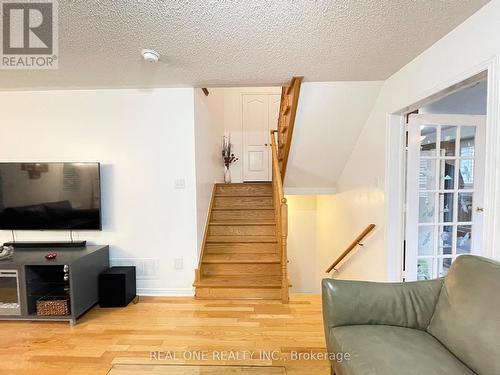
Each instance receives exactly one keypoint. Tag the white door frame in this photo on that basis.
(395, 164)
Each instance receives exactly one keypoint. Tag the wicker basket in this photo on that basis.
(52, 306)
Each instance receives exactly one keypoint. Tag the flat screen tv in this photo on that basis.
(50, 196)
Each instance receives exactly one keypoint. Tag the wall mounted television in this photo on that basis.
(50, 196)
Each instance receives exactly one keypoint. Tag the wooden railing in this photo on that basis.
(352, 246)
(281, 216)
(281, 140)
(286, 122)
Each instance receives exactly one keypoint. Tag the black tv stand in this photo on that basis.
(46, 245)
(73, 274)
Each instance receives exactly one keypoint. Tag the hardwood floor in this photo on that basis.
(194, 370)
(175, 330)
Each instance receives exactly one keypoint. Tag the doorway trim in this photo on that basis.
(236, 121)
(396, 159)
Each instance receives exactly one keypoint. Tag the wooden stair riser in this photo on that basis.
(244, 189)
(243, 239)
(242, 230)
(241, 216)
(242, 258)
(209, 269)
(240, 281)
(243, 202)
(239, 248)
(238, 293)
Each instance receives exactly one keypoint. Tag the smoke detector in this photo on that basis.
(150, 55)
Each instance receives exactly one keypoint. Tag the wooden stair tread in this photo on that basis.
(242, 222)
(243, 209)
(246, 258)
(239, 282)
(263, 239)
(244, 201)
(240, 248)
(253, 195)
(228, 190)
(243, 184)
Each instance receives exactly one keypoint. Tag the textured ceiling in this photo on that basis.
(240, 42)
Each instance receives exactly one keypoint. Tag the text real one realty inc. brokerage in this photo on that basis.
(230, 355)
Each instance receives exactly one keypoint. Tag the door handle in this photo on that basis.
(265, 144)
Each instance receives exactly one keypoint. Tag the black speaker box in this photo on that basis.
(117, 287)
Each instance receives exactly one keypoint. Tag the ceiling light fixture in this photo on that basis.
(150, 55)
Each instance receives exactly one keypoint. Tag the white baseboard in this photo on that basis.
(166, 292)
(309, 191)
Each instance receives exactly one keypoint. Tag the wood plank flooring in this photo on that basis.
(185, 327)
(194, 370)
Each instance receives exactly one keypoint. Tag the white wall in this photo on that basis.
(233, 121)
(145, 142)
(474, 42)
(330, 117)
(209, 129)
(339, 225)
(315, 223)
(302, 248)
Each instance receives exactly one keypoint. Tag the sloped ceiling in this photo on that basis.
(330, 118)
(241, 42)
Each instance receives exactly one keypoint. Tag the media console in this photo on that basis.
(28, 276)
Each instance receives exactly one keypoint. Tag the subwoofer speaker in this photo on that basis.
(117, 287)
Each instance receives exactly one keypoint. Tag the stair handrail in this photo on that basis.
(286, 121)
(276, 168)
(281, 216)
(351, 247)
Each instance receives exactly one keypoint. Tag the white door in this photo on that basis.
(445, 187)
(259, 117)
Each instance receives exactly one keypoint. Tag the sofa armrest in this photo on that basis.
(408, 304)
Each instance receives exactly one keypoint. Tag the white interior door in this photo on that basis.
(445, 188)
(259, 117)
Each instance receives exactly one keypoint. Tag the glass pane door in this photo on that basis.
(444, 192)
(9, 293)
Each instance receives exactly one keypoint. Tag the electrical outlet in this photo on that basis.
(178, 263)
(146, 268)
(180, 183)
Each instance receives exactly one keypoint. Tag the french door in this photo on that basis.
(445, 185)
(260, 115)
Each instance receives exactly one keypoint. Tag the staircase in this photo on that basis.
(244, 254)
(241, 257)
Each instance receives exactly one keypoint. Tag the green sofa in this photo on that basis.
(443, 326)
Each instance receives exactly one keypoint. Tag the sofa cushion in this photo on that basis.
(409, 305)
(467, 315)
(390, 350)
